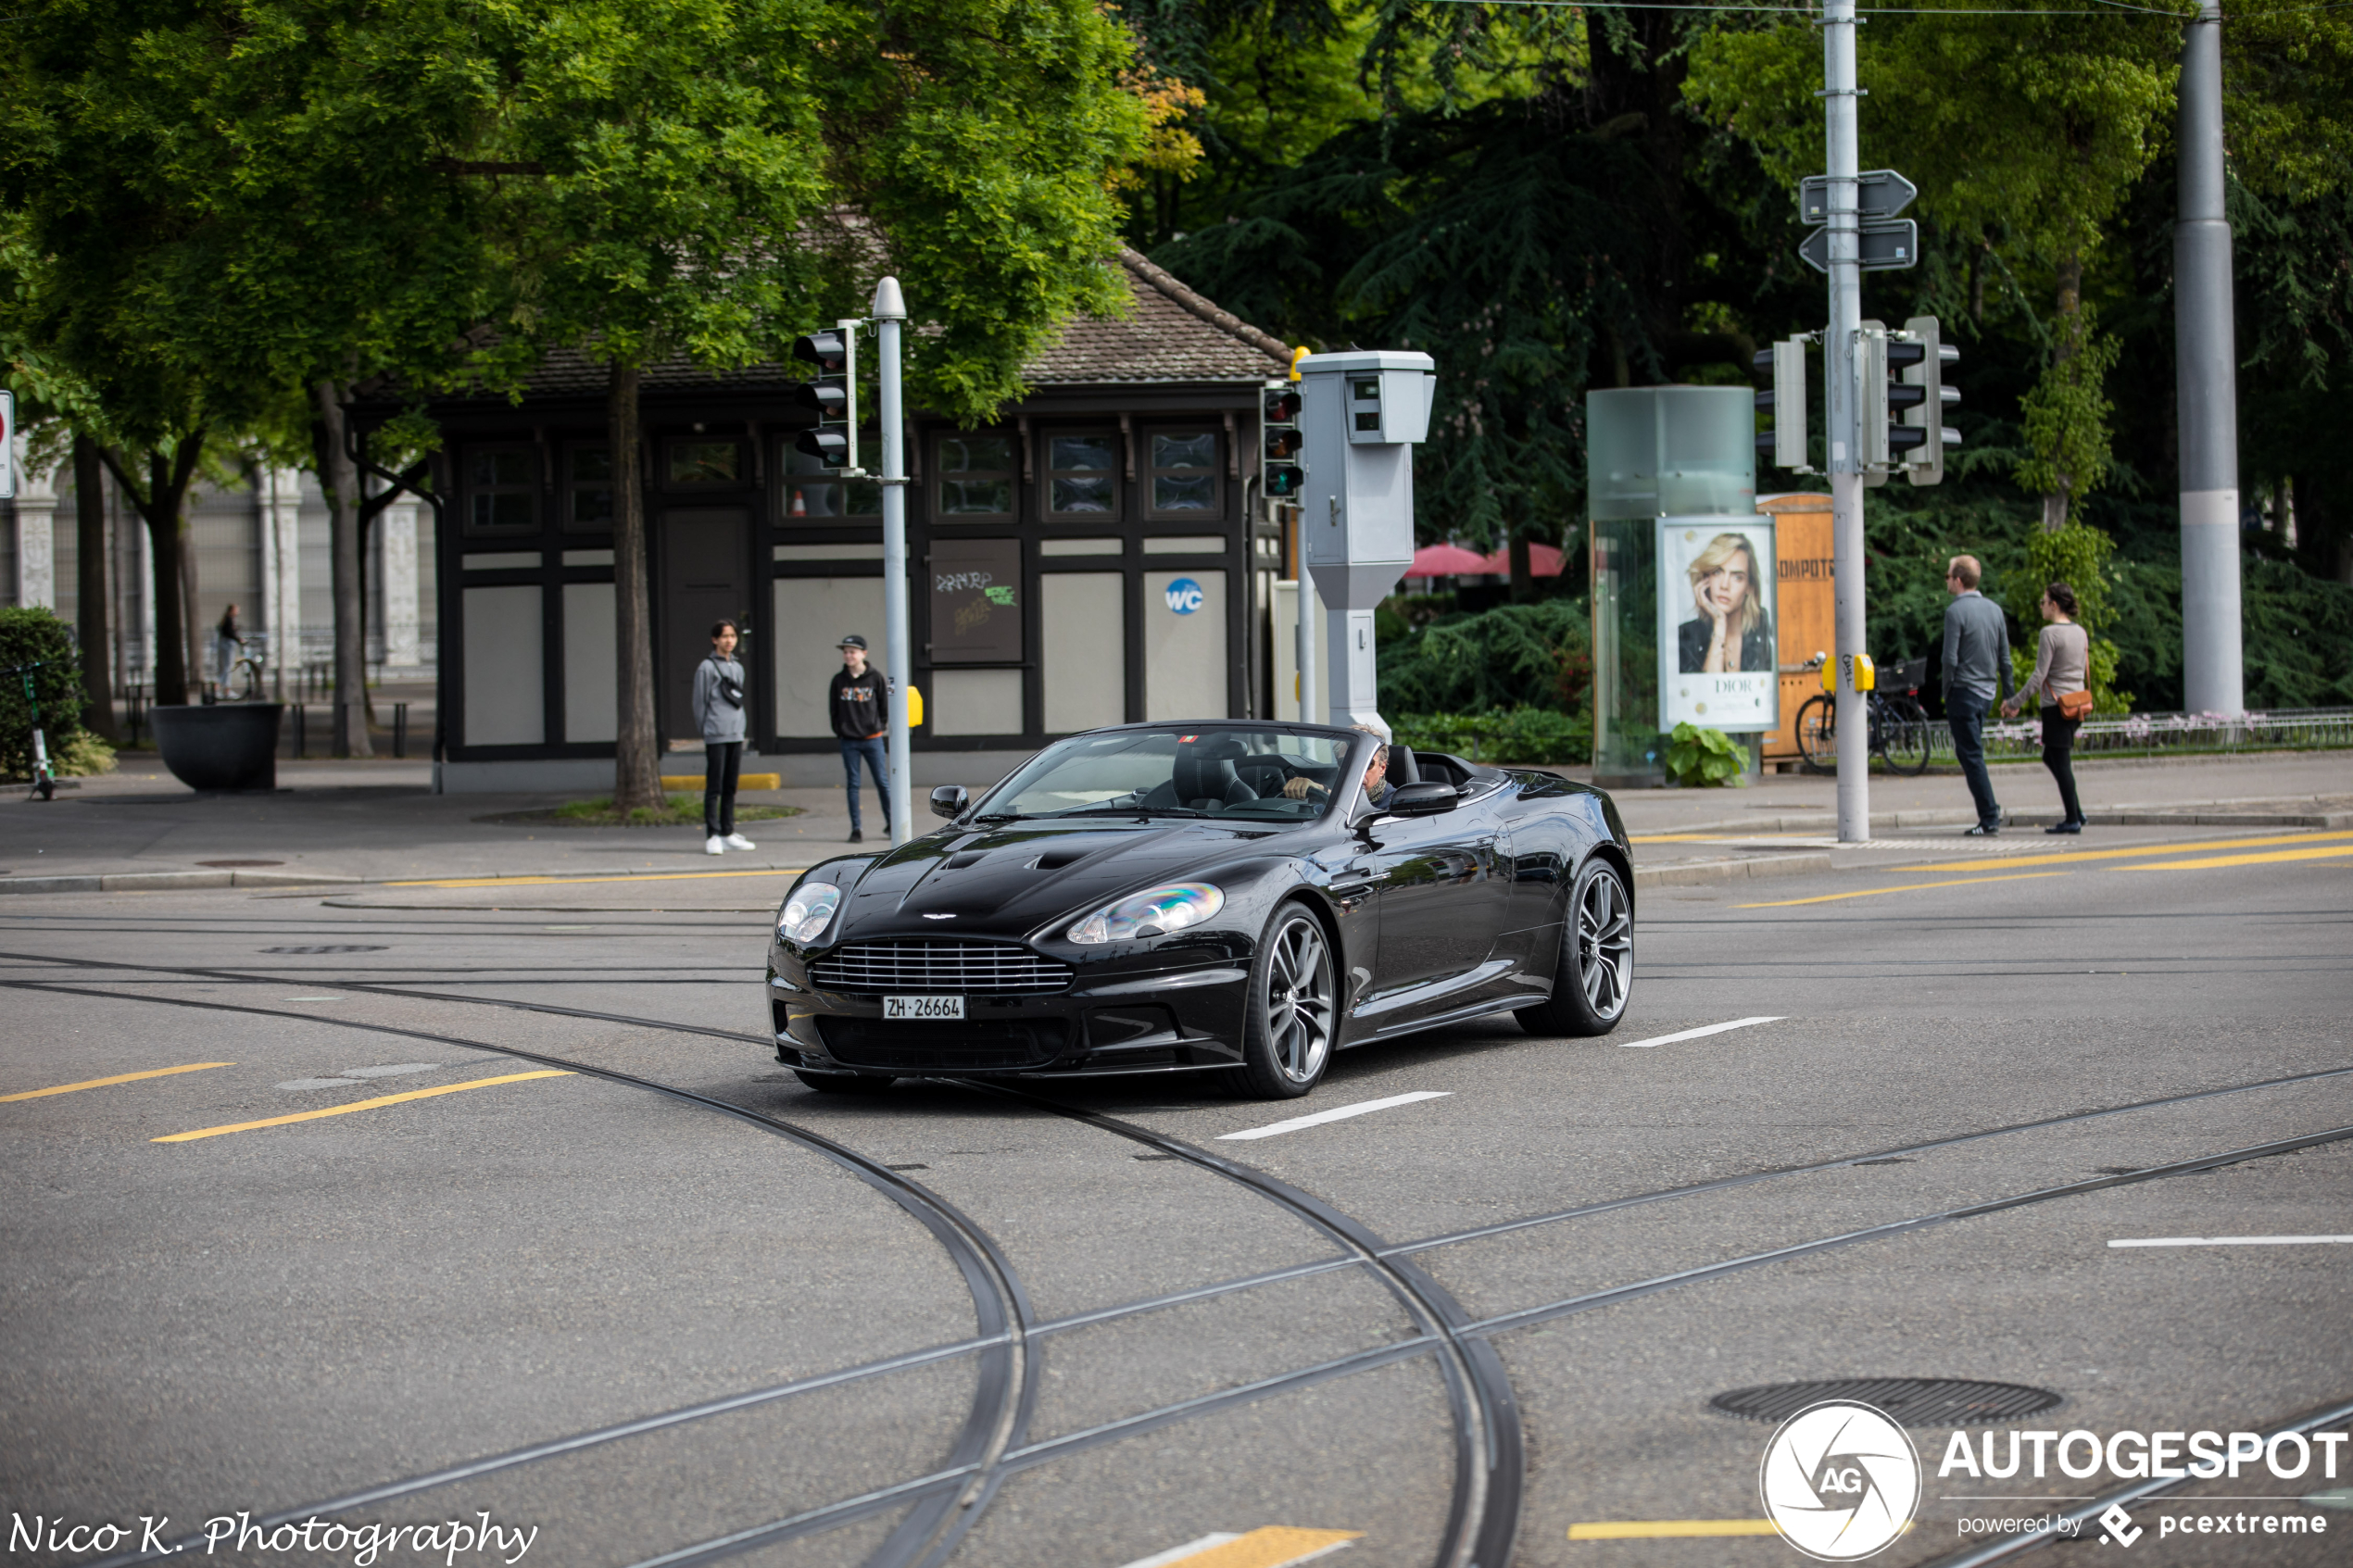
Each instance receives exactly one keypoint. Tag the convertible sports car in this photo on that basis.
(1227, 896)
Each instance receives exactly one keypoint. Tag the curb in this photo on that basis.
(1741, 870)
(164, 882)
(1882, 821)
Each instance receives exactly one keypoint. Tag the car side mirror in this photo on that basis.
(948, 801)
(1423, 799)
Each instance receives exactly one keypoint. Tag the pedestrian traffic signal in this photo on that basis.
(1923, 397)
(832, 395)
(1280, 442)
(1784, 444)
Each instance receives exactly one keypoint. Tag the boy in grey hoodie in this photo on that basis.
(719, 709)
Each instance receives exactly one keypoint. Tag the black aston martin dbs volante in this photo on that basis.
(1228, 896)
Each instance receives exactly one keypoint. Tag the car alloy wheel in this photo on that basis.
(1293, 1008)
(1593, 976)
(1604, 945)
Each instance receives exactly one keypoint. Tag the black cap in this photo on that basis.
(853, 641)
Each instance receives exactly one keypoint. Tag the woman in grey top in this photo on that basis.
(719, 709)
(2062, 664)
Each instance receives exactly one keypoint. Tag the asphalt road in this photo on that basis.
(612, 1274)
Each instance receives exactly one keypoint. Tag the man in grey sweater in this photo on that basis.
(1977, 672)
(719, 710)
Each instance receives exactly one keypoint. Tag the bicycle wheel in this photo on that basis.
(1817, 733)
(1906, 735)
(245, 681)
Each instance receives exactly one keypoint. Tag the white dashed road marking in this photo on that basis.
(1696, 1033)
(1338, 1113)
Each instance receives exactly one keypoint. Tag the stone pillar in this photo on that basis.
(36, 546)
(277, 494)
(396, 583)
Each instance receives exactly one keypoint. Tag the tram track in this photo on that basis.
(1487, 1496)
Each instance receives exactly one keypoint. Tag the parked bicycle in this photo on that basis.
(1899, 725)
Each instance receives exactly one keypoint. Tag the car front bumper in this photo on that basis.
(1144, 1011)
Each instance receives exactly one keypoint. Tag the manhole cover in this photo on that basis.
(238, 865)
(1910, 1401)
(347, 948)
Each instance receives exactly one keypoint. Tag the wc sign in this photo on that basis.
(1185, 596)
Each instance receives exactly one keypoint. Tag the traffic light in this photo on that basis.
(832, 394)
(1280, 441)
(1875, 444)
(1784, 444)
(1923, 397)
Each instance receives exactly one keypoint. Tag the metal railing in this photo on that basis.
(2167, 734)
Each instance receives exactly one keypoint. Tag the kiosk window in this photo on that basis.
(705, 462)
(813, 492)
(975, 476)
(591, 487)
(502, 490)
(1082, 474)
(1185, 472)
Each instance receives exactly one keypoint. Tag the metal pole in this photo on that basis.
(1847, 475)
(1306, 640)
(2205, 386)
(890, 311)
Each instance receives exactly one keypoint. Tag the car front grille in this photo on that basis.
(972, 969)
(944, 1046)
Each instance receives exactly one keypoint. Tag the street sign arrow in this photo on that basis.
(1878, 192)
(1885, 246)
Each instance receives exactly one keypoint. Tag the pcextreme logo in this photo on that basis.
(1840, 1480)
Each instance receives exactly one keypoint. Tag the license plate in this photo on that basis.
(924, 1006)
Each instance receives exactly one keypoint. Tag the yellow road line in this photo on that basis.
(1908, 887)
(359, 1104)
(117, 1078)
(2142, 850)
(1659, 1529)
(2323, 852)
(1669, 838)
(567, 881)
(1270, 1545)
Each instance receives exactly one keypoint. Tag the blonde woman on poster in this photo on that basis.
(1733, 633)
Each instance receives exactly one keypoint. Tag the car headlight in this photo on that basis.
(808, 911)
(1155, 913)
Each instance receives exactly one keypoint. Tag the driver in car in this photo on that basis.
(1377, 790)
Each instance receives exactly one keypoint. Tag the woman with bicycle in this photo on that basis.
(2063, 675)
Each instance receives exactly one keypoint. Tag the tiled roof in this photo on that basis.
(1175, 335)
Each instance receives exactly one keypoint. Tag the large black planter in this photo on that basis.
(227, 746)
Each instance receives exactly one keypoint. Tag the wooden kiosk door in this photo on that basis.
(703, 581)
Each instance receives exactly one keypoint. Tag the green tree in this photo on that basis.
(2025, 134)
(684, 179)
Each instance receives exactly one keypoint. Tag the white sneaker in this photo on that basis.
(737, 840)
(714, 845)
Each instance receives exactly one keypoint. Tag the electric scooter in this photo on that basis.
(45, 779)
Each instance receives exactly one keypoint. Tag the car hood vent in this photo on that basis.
(1055, 860)
(959, 862)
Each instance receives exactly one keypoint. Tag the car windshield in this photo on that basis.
(1266, 776)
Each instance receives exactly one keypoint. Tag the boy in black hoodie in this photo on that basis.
(858, 700)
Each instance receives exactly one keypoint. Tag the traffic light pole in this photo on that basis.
(2205, 386)
(891, 313)
(1844, 433)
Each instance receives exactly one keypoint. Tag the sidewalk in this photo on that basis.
(376, 821)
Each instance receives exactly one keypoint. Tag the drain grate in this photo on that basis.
(1910, 1401)
(343, 948)
(225, 865)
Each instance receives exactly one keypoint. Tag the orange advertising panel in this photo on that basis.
(1808, 608)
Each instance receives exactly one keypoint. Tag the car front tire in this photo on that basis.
(1293, 1011)
(1593, 978)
